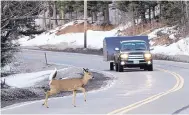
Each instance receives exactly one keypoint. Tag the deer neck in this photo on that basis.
(85, 80)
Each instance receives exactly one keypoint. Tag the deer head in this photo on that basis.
(87, 75)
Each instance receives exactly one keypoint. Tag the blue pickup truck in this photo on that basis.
(127, 52)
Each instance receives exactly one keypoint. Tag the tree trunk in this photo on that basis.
(106, 14)
(62, 16)
(142, 13)
(153, 9)
(133, 11)
(76, 15)
(70, 15)
(55, 23)
(95, 15)
(149, 13)
(186, 10)
(143, 17)
(92, 17)
(160, 8)
(49, 15)
(44, 21)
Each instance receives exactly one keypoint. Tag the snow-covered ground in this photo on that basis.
(179, 48)
(95, 40)
(27, 79)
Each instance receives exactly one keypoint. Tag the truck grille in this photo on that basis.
(136, 57)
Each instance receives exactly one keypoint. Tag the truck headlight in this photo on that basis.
(124, 56)
(148, 56)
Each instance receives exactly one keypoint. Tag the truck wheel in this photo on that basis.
(120, 68)
(150, 68)
(111, 65)
(116, 66)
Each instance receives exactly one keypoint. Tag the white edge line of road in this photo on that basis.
(109, 85)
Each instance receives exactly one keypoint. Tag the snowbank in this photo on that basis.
(27, 79)
(179, 48)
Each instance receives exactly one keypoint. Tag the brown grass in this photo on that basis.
(142, 29)
(163, 40)
(79, 28)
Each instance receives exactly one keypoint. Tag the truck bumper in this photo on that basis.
(136, 63)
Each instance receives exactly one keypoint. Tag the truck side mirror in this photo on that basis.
(116, 49)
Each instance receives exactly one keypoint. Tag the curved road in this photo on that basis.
(163, 91)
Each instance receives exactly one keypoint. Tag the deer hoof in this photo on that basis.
(85, 100)
(74, 105)
(43, 104)
(47, 107)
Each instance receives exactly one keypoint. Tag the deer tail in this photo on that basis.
(53, 74)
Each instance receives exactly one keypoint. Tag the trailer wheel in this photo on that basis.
(116, 66)
(120, 68)
(111, 65)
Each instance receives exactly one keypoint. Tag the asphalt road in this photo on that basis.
(134, 91)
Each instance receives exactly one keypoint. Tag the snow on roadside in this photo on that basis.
(27, 79)
(179, 48)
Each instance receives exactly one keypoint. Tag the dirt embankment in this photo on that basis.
(79, 28)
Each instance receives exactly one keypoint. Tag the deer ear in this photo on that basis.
(84, 69)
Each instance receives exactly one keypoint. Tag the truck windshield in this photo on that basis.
(133, 46)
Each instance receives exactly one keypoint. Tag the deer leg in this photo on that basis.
(46, 98)
(74, 95)
(83, 90)
(48, 93)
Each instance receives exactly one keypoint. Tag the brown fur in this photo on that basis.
(72, 84)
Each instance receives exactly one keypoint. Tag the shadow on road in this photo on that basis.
(182, 109)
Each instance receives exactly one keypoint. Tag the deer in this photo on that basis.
(71, 84)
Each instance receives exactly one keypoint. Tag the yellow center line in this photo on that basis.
(179, 84)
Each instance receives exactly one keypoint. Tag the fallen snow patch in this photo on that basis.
(179, 48)
(27, 79)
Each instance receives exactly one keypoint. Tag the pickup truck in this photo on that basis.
(128, 52)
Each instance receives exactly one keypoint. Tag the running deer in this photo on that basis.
(72, 84)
